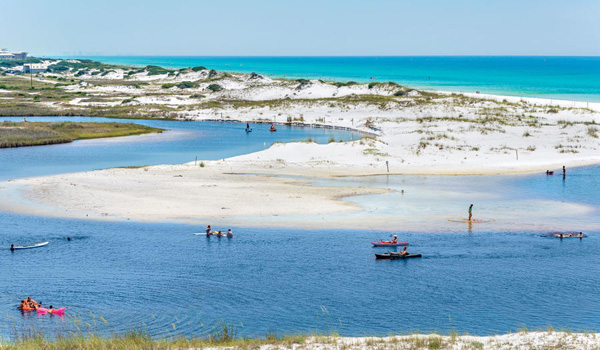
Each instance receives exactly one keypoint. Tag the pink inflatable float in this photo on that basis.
(42, 310)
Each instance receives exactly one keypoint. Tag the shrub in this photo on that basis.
(156, 70)
(215, 87)
(187, 85)
(349, 83)
(167, 86)
(212, 73)
(399, 93)
(199, 68)
(197, 96)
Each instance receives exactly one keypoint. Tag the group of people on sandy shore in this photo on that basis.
(210, 232)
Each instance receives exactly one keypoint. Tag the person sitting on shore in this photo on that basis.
(229, 233)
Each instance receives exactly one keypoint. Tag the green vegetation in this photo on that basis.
(199, 68)
(182, 85)
(215, 87)
(156, 70)
(348, 83)
(45, 133)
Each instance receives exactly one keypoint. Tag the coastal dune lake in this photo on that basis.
(162, 278)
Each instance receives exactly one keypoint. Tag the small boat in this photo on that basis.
(27, 308)
(29, 246)
(272, 128)
(388, 244)
(42, 310)
(390, 256)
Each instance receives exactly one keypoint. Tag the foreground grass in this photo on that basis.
(135, 340)
(224, 339)
(45, 133)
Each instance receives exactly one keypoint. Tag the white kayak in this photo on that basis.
(31, 246)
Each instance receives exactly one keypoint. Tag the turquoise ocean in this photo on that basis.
(565, 78)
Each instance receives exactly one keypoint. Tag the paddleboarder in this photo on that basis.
(470, 212)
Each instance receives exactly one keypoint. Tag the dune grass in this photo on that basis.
(19, 134)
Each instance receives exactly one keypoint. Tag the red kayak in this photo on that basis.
(388, 244)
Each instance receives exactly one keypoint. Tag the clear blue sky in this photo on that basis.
(308, 27)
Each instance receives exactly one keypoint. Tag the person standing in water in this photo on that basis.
(470, 212)
(564, 172)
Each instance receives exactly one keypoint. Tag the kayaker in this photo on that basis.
(404, 252)
(470, 212)
(395, 240)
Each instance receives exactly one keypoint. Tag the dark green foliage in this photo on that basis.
(349, 83)
(399, 93)
(215, 87)
(187, 85)
(156, 70)
(199, 68)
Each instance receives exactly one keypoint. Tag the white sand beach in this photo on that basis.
(407, 132)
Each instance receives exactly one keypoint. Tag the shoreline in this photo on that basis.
(568, 103)
(280, 195)
(225, 339)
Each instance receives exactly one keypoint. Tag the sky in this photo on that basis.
(301, 28)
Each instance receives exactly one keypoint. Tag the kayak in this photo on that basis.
(42, 310)
(569, 235)
(388, 244)
(31, 246)
(390, 256)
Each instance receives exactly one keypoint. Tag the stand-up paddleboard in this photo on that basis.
(30, 246)
(473, 221)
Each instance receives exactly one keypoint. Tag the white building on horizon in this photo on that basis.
(6, 55)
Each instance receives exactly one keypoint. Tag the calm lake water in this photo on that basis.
(181, 143)
(168, 281)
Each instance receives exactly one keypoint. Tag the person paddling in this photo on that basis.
(470, 212)
(395, 240)
(402, 253)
